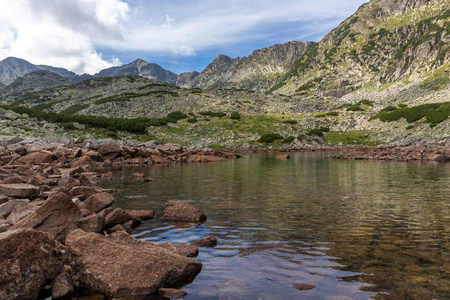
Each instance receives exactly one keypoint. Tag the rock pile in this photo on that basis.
(397, 153)
(56, 227)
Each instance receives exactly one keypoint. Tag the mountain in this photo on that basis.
(34, 81)
(259, 71)
(141, 68)
(12, 68)
(383, 43)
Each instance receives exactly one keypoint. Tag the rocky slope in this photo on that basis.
(382, 43)
(35, 81)
(259, 71)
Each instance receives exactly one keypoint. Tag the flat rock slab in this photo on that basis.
(179, 211)
(28, 259)
(19, 190)
(119, 265)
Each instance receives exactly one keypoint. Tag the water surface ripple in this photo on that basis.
(355, 229)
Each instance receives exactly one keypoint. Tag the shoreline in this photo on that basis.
(47, 201)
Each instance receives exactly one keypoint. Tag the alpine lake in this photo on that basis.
(354, 229)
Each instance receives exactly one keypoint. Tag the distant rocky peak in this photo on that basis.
(220, 62)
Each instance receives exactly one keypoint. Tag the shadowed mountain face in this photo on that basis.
(143, 69)
(37, 80)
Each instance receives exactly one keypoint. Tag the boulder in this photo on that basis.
(28, 260)
(82, 161)
(97, 202)
(141, 215)
(92, 223)
(181, 249)
(179, 211)
(20, 211)
(210, 241)
(119, 265)
(8, 207)
(19, 190)
(172, 293)
(117, 216)
(62, 286)
(86, 191)
(110, 151)
(58, 217)
(41, 157)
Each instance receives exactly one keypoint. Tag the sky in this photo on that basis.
(86, 36)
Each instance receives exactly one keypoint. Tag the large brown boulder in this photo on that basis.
(92, 223)
(97, 202)
(117, 216)
(179, 211)
(28, 260)
(41, 157)
(119, 265)
(141, 215)
(58, 217)
(19, 190)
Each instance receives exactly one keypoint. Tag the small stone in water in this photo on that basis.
(304, 286)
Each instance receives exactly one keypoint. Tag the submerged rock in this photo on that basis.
(179, 211)
(304, 286)
(210, 241)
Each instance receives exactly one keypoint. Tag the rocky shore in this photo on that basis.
(60, 235)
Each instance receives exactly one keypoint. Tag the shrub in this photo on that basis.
(212, 114)
(434, 113)
(301, 137)
(318, 131)
(192, 120)
(235, 115)
(355, 107)
(288, 140)
(389, 108)
(270, 138)
(332, 114)
(175, 116)
(290, 122)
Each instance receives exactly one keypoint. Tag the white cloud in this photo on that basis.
(60, 33)
(70, 33)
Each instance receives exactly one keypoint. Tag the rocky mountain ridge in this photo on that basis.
(258, 71)
(382, 43)
(13, 68)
